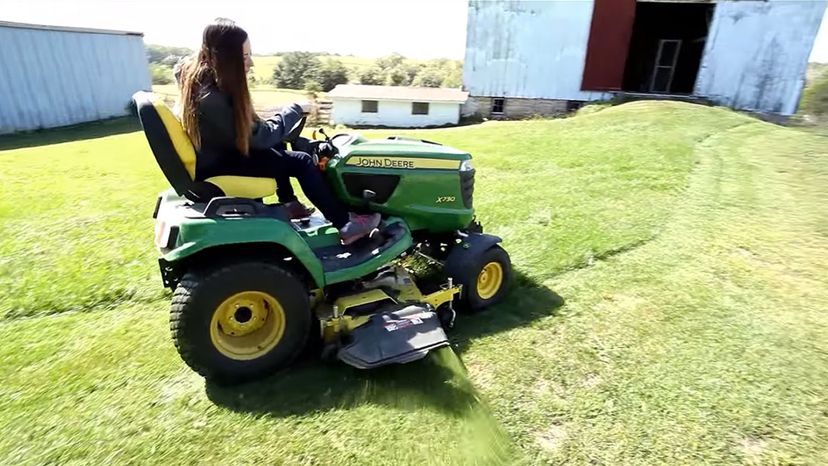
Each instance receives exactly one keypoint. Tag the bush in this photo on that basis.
(295, 69)
(331, 73)
(373, 75)
(815, 98)
(166, 55)
(391, 61)
(161, 74)
(397, 76)
(429, 77)
(311, 85)
(453, 74)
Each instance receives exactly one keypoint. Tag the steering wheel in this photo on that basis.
(296, 131)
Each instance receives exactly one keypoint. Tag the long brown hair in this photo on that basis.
(220, 60)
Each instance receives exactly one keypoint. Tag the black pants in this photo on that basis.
(283, 165)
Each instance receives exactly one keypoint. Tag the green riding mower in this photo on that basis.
(251, 286)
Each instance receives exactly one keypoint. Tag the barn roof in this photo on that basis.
(45, 27)
(403, 93)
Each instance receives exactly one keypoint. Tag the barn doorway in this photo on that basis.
(666, 47)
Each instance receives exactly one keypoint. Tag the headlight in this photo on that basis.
(466, 166)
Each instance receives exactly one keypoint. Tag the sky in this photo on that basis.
(369, 28)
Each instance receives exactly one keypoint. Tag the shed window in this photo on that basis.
(419, 108)
(497, 105)
(369, 106)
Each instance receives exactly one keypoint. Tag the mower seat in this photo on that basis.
(176, 156)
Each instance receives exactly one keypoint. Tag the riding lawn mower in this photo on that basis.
(251, 285)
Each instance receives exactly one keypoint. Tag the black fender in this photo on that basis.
(471, 245)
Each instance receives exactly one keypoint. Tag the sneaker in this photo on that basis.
(297, 210)
(358, 227)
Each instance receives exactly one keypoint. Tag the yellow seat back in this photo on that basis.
(176, 155)
(183, 146)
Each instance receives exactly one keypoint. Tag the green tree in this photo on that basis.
(331, 73)
(312, 85)
(168, 55)
(295, 69)
(397, 76)
(413, 69)
(161, 74)
(390, 61)
(429, 77)
(372, 75)
(454, 74)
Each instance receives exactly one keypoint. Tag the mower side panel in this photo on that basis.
(196, 235)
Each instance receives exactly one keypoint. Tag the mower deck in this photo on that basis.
(396, 337)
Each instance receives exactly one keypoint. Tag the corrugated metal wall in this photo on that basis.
(755, 57)
(56, 78)
(757, 53)
(527, 49)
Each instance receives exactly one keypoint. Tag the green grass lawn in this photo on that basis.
(671, 309)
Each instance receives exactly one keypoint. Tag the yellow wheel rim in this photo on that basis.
(247, 325)
(490, 280)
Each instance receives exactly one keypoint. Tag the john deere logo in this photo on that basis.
(385, 163)
(406, 163)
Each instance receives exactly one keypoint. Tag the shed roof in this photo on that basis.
(46, 27)
(413, 94)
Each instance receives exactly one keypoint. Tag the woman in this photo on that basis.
(231, 139)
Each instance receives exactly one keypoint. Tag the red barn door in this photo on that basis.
(609, 42)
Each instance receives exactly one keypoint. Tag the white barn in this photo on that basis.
(55, 76)
(395, 106)
(525, 57)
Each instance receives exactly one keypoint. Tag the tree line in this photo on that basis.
(317, 72)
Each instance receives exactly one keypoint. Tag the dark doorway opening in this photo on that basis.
(666, 47)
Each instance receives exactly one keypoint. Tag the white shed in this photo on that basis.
(395, 106)
(56, 76)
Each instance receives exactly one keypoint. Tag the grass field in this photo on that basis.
(671, 309)
(264, 96)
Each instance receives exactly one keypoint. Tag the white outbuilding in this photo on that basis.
(56, 76)
(395, 106)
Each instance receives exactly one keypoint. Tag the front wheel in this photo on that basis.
(241, 321)
(485, 278)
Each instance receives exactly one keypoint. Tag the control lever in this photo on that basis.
(368, 196)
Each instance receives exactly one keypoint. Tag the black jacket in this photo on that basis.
(218, 154)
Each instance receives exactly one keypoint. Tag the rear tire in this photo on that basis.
(486, 278)
(239, 322)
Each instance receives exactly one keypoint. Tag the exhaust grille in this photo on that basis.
(467, 187)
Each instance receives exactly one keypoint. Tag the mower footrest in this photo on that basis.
(339, 257)
(397, 337)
